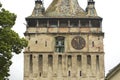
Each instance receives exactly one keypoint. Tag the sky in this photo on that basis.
(107, 9)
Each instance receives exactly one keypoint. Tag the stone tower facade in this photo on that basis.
(65, 42)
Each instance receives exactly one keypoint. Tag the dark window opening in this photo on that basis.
(32, 23)
(43, 23)
(45, 43)
(40, 74)
(95, 23)
(63, 23)
(53, 23)
(36, 42)
(59, 45)
(84, 23)
(93, 44)
(74, 23)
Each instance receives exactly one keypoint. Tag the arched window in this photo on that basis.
(59, 44)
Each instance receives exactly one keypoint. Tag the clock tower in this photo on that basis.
(65, 42)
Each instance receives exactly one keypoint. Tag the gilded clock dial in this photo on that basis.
(78, 42)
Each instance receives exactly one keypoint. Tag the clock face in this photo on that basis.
(78, 43)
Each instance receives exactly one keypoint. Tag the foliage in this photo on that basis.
(9, 41)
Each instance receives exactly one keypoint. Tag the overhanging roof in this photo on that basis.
(113, 71)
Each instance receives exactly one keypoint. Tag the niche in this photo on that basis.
(97, 62)
(80, 73)
(69, 73)
(89, 60)
(31, 63)
(69, 61)
(79, 60)
(60, 59)
(50, 60)
(40, 63)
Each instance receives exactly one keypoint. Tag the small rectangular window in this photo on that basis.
(45, 43)
(92, 43)
(36, 42)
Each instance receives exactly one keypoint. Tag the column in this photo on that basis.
(84, 65)
(40, 65)
(58, 23)
(64, 65)
(79, 24)
(69, 23)
(93, 65)
(74, 65)
(48, 25)
(35, 66)
(37, 25)
(102, 65)
(45, 65)
(90, 25)
(55, 65)
(26, 65)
